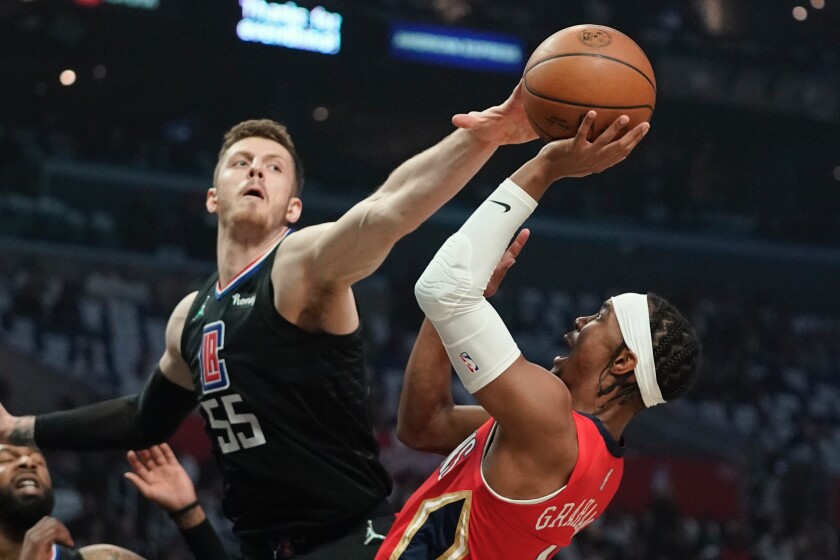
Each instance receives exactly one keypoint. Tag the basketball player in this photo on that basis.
(542, 457)
(27, 532)
(271, 347)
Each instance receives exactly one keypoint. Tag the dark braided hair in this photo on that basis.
(676, 355)
(676, 348)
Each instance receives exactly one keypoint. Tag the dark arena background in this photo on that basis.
(111, 116)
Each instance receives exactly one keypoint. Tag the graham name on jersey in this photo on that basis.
(584, 514)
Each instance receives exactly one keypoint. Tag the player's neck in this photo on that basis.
(615, 419)
(235, 253)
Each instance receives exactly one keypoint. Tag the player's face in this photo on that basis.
(25, 486)
(593, 343)
(255, 184)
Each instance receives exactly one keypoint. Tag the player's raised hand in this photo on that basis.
(507, 261)
(578, 157)
(502, 124)
(160, 478)
(40, 538)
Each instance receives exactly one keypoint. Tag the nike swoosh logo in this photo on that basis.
(503, 205)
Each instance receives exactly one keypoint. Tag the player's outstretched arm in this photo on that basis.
(138, 420)
(355, 245)
(428, 418)
(532, 406)
(160, 478)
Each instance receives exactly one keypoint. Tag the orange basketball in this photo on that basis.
(587, 67)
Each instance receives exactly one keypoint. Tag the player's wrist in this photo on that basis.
(21, 431)
(188, 515)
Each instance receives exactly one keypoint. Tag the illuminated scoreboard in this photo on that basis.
(291, 26)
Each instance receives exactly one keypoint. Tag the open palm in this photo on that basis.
(160, 478)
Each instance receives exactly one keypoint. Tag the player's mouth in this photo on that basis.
(254, 190)
(27, 484)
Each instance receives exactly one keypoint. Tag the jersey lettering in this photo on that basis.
(583, 515)
(233, 440)
(455, 457)
(214, 376)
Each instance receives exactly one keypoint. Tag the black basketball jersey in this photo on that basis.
(286, 410)
(60, 552)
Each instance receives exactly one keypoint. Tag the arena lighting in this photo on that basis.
(800, 13)
(291, 26)
(67, 78)
(141, 4)
(451, 46)
(818, 4)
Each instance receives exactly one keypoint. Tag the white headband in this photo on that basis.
(631, 310)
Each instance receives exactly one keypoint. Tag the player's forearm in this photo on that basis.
(111, 424)
(426, 392)
(135, 421)
(201, 538)
(424, 183)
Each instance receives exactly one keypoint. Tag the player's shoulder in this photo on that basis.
(184, 305)
(107, 552)
(301, 244)
(306, 235)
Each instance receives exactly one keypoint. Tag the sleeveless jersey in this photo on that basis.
(60, 552)
(286, 410)
(455, 515)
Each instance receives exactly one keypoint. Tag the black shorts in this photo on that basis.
(360, 542)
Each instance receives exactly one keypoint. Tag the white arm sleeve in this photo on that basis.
(451, 289)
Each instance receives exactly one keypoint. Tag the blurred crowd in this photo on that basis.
(769, 379)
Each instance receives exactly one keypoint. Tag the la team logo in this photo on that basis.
(214, 375)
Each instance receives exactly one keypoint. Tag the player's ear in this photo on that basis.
(212, 202)
(293, 210)
(625, 362)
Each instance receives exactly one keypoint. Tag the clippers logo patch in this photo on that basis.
(469, 362)
(214, 375)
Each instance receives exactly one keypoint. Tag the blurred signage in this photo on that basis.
(451, 46)
(758, 88)
(291, 26)
(142, 4)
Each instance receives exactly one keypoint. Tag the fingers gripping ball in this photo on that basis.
(587, 67)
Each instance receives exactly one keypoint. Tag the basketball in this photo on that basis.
(587, 67)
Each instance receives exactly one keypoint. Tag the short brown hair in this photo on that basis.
(270, 130)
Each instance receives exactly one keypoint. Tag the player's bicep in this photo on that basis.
(529, 402)
(172, 363)
(353, 247)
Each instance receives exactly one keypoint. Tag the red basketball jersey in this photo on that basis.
(455, 515)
